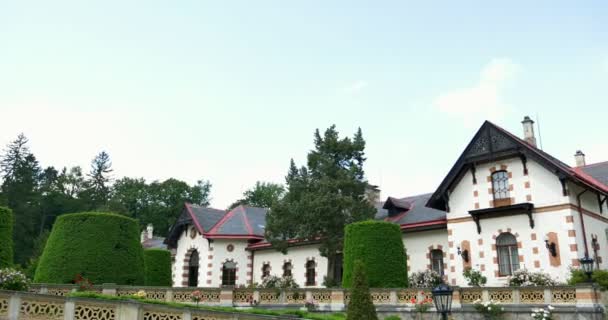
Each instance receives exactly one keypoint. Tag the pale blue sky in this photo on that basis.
(231, 90)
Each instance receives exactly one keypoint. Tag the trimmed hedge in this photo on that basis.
(360, 306)
(379, 246)
(6, 237)
(157, 264)
(102, 247)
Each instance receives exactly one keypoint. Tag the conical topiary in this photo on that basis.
(360, 306)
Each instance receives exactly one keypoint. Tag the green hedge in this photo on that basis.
(379, 246)
(158, 267)
(6, 237)
(102, 247)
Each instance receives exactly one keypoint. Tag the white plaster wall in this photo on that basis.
(184, 244)
(298, 256)
(417, 247)
(219, 255)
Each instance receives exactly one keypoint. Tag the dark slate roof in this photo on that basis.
(417, 213)
(597, 171)
(397, 203)
(206, 217)
(154, 243)
(241, 221)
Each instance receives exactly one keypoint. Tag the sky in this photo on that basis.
(230, 91)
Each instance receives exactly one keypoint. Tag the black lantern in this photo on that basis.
(587, 265)
(551, 247)
(442, 297)
(464, 254)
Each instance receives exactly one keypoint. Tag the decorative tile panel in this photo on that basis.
(205, 316)
(503, 296)
(532, 295)
(564, 295)
(406, 296)
(381, 297)
(242, 296)
(59, 291)
(269, 296)
(157, 315)
(39, 310)
(293, 297)
(3, 305)
(322, 296)
(470, 296)
(94, 312)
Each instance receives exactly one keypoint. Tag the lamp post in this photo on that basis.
(587, 266)
(442, 297)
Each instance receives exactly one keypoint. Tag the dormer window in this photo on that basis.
(500, 187)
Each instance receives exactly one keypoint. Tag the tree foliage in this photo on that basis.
(323, 196)
(262, 195)
(98, 186)
(360, 306)
(378, 245)
(6, 237)
(102, 247)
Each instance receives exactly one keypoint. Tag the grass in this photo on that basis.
(297, 313)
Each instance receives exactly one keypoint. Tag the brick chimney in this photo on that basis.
(579, 157)
(529, 131)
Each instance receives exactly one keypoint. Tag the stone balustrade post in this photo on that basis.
(109, 289)
(43, 289)
(14, 306)
(169, 295)
(256, 295)
(226, 296)
(548, 295)
(69, 309)
(516, 295)
(485, 295)
(337, 300)
(586, 296)
(187, 315)
(129, 310)
(393, 297)
(456, 304)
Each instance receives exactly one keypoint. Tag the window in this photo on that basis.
(310, 273)
(500, 185)
(265, 270)
(193, 269)
(287, 269)
(229, 274)
(508, 258)
(437, 261)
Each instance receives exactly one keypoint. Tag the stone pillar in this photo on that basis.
(187, 315)
(586, 296)
(128, 311)
(14, 306)
(169, 295)
(456, 304)
(256, 295)
(109, 289)
(548, 296)
(393, 297)
(69, 309)
(337, 300)
(226, 297)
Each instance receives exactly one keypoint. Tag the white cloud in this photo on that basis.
(484, 99)
(355, 87)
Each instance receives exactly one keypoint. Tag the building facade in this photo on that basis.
(505, 205)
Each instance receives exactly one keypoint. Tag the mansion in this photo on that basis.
(504, 205)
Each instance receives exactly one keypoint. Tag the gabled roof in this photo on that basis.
(242, 221)
(492, 142)
(206, 217)
(597, 172)
(416, 213)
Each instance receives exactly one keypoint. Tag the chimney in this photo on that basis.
(529, 131)
(150, 231)
(579, 156)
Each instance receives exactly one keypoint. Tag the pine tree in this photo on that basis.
(360, 306)
(98, 185)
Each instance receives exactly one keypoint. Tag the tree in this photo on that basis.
(6, 237)
(360, 306)
(98, 185)
(323, 197)
(262, 195)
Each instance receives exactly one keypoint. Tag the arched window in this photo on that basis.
(508, 257)
(500, 185)
(265, 270)
(287, 269)
(193, 269)
(311, 273)
(229, 273)
(437, 261)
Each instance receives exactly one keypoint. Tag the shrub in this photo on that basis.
(543, 314)
(11, 279)
(474, 277)
(425, 279)
(102, 247)
(489, 309)
(157, 264)
(600, 277)
(380, 248)
(274, 282)
(392, 318)
(525, 278)
(360, 305)
(6, 237)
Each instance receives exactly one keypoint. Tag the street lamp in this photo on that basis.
(442, 296)
(587, 265)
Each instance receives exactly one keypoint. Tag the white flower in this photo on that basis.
(550, 308)
(489, 308)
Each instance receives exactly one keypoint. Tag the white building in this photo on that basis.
(504, 205)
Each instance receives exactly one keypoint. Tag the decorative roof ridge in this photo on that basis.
(194, 219)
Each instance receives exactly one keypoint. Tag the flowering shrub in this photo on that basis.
(84, 284)
(422, 306)
(525, 278)
(542, 314)
(311, 305)
(196, 296)
(474, 277)
(274, 282)
(11, 279)
(489, 309)
(425, 279)
(140, 294)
